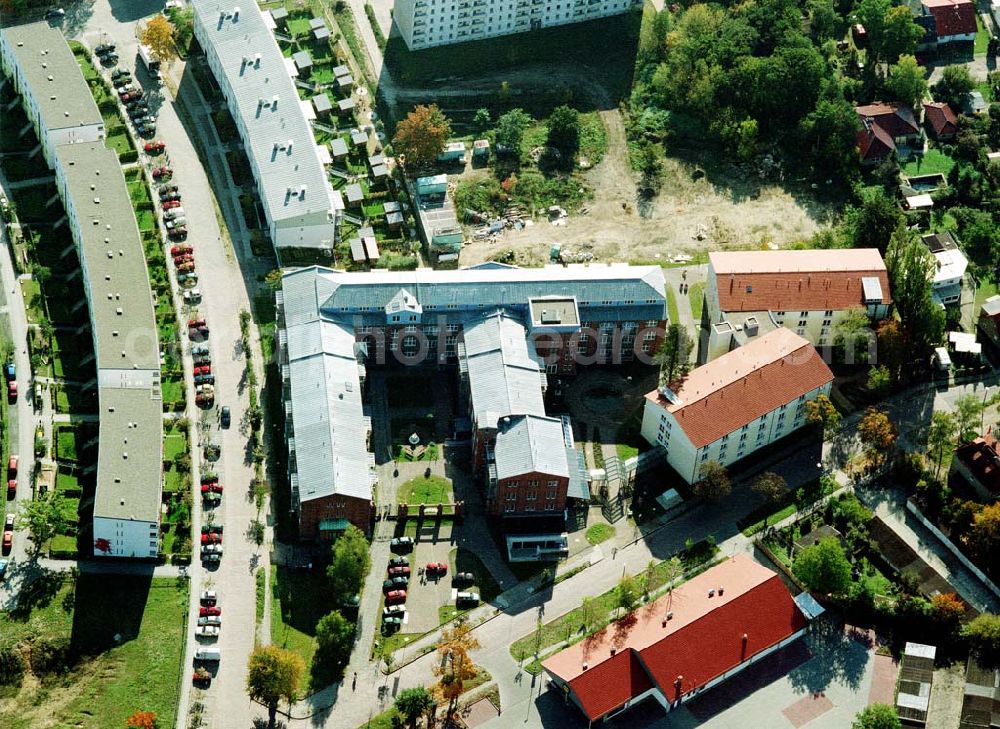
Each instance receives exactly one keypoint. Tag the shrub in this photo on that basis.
(11, 665)
(50, 655)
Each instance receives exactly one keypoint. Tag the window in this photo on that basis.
(553, 485)
(801, 331)
(551, 495)
(550, 507)
(781, 416)
(531, 496)
(395, 317)
(826, 322)
(802, 323)
(508, 508)
(648, 336)
(533, 484)
(828, 312)
(652, 323)
(452, 328)
(779, 313)
(511, 496)
(743, 438)
(803, 314)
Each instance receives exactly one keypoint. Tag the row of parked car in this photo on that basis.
(208, 628)
(8, 526)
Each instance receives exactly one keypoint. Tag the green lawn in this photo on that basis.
(696, 293)
(599, 532)
(33, 303)
(173, 392)
(298, 601)
(672, 310)
(933, 161)
(66, 443)
(432, 490)
(982, 38)
(630, 441)
(111, 680)
(67, 483)
(986, 290)
(173, 445)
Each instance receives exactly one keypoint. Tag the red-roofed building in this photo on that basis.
(736, 404)
(979, 463)
(940, 120)
(707, 630)
(809, 291)
(884, 127)
(954, 20)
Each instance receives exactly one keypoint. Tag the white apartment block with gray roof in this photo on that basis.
(102, 222)
(300, 205)
(55, 96)
(427, 23)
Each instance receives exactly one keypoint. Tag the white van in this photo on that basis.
(208, 654)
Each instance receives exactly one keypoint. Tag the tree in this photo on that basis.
(911, 268)
(772, 487)
(877, 432)
(853, 335)
(158, 34)
(482, 119)
(941, 436)
(455, 666)
(273, 674)
(906, 81)
(983, 635)
(828, 135)
(510, 129)
(824, 567)
(968, 414)
(412, 703)
(142, 720)
(984, 532)
(349, 563)
(714, 484)
(821, 411)
(955, 83)
(877, 716)
(871, 223)
(564, 132)
(334, 639)
(948, 609)
(879, 379)
(674, 355)
(824, 20)
(626, 593)
(899, 34)
(42, 517)
(891, 345)
(421, 136)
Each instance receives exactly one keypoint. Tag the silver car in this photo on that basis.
(176, 223)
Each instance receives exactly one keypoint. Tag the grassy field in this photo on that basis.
(933, 161)
(298, 601)
(420, 490)
(110, 681)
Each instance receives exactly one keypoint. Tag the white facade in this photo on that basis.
(299, 203)
(946, 288)
(427, 23)
(46, 75)
(126, 537)
(662, 428)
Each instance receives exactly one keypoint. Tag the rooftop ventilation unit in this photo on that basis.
(236, 13)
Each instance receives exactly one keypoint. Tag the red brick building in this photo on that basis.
(327, 516)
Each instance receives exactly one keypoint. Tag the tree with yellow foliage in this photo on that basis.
(455, 666)
(158, 34)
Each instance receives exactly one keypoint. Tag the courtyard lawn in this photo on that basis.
(600, 532)
(298, 600)
(148, 617)
(672, 310)
(696, 293)
(931, 162)
(630, 441)
(33, 303)
(985, 290)
(173, 445)
(982, 41)
(431, 490)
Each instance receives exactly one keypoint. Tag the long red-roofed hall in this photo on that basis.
(681, 644)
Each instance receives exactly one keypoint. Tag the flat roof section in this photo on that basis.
(554, 311)
(111, 254)
(53, 74)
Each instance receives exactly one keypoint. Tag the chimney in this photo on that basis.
(236, 13)
(711, 593)
(720, 591)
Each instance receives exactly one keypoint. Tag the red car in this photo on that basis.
(203, 370)
(177, 233)
(12, 467)
(162, 172)
(196, 322)
(439, 568)
(399, 570)
(12, 391)
(180, 250)
(211, 488)
(154, 147)
(11, 488)
(211, 538)
(171, 204)
(395, 596)
(186, 267)
(8, 542)
(201, 677)
(210, 610)
(182, 258)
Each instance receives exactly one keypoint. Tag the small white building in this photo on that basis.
(737, 404)
(946, 288)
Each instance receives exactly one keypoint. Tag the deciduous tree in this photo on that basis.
(983, 635)
(510, 129)
(142, 720)
(158, 34)
(772, 487)
(984, 532)
(911, 270)
(349, 563)
(941, 436)
(821, 411)
(626, 593)
(877, 716)
(674, 354)
(564, 132)
(824, 567)
(43, 517)
(968, 414)
(455, 666)
(948, 608)
(906, 81)
(955, 83)
(413, 703)
(714, 484)
(877, 432)
(421, 136)
(334, 639)
(273, 674)
(879, 379)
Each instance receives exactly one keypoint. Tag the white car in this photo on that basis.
(174, 213)
(210, 548)
(171, 4)
(210, 620)
(9, 522)
(209, 596)
(192, 296)
(208, 631)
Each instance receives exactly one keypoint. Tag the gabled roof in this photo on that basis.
(703, 638)
(981, 458)
(531, 444)
(941, 118)
(740, 386)
(874, 143)
(952, 17)
(895, 118)
(792, 281)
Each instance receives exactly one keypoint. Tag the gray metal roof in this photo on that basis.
(52, 73)
(339, 147)
(530, 444)
(328, 422)
(111, 256)
(277, 137)
(505, 373)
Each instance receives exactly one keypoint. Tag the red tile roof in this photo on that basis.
(737, 388)
(981, 458)
(895, 118)
(874, 143)
(809, 280)
(941, 118)
(702, 640)
(952, 17)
